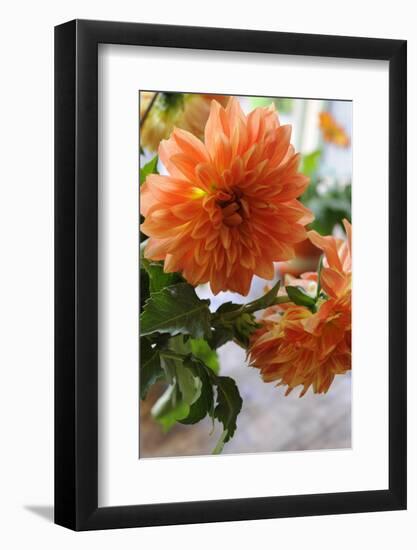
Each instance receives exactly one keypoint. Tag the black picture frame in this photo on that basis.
(76, 271)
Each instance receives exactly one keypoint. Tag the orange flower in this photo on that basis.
(336, 273)
(297, 347)
(228, 209)
(187, 111)
(332, 131)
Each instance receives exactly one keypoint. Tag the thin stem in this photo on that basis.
(146, 113)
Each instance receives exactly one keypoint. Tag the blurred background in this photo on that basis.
(269, 421)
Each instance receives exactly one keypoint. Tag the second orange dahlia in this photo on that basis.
(295, 347)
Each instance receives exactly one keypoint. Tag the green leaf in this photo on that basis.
(320, 267)
(264, 301)
(236, 321)
(150, 367)
(158, 279)
(169, 408)
(229, 404)
(205, 403)
(228, 307)
(300, 298)
(189, 385)
(176, 310)
(184, 390)
(220, 336)
(150, 167)
(144, 287)
(190, 396)
(201, 349)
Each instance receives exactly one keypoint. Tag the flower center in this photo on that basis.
(233, 206)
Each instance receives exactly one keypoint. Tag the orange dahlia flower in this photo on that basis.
(296, 347)
(332, 131)
(228, 208)
(187, 111)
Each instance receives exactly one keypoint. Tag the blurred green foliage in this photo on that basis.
(331, 202)
(283, 105)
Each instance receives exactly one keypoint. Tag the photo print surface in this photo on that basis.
(245, 274)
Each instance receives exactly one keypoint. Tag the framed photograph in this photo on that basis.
(230, 252)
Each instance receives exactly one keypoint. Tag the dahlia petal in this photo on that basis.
(156, 249)
(206, 175)
(172, 263)
(233, 220)
(282, 138)
(222, 152)
(167, 148)
(190, 145)
(155, 227)
(213, 127)
(211, 241)
(201, 228)
(264, 269)
(256, 125)
(295, 212)
(294, 187)
(201, 256)
(186, 210)
(146, 200)
(328, 246)
(225, 237)
(185, 164)
(166, 190)
(332, 281)
(241, 281)
(236, 116)
(196, 274)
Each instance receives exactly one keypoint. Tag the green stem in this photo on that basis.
(231, 315)
(277, 301)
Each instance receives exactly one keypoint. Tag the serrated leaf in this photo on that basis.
(229, 404)
(176, 310)
(149, 168)
(300, 298)
(170, 407)
(150, 367)
(158, 279)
